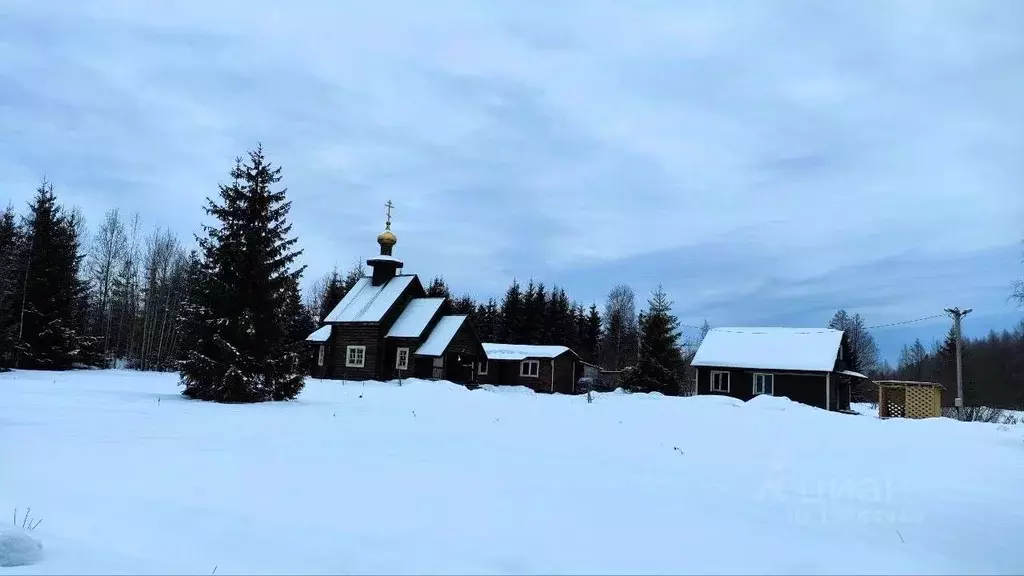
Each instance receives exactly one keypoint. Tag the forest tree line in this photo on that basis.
(119, 296)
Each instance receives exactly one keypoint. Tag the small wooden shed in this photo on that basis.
(908, 399)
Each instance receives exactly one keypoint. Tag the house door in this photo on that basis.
(438, 370)
(460, 367)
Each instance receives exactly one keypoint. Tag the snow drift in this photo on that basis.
(17, 548)
(429, 477)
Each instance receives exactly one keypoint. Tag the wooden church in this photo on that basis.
(385, 328)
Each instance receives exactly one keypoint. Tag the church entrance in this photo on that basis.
(459, 367)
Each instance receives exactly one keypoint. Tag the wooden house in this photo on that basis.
(541, 368)
(385, 327)
(807, 365)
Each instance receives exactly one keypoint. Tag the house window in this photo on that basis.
(764, 384)
(530, 368)
(438, 370)
(320, 356)
(355, 356)
(483, 367)
(402, 359)
(719, 381)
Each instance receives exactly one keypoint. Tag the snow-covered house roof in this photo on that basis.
(415, 317)
(810, 349)
(368, 303)
(441, 336)
(522, 351)
(321, 334)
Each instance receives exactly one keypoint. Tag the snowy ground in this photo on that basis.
(129, 477)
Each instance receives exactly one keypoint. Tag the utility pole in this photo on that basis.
(958, 315)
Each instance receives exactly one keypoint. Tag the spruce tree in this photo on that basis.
(438, 288)
(245, 309)
(512, 314)
(493, 321)
(53, 294)
(592, 335)
(661, 360)
(10, 287)
(334, 291)
(463, 305)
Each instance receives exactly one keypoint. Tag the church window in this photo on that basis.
(355, 356)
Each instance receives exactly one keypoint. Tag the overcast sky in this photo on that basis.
(768, 162)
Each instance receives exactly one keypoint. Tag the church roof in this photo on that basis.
(415, 317)
(810, 349)
(320, 335)
(441, 336)
(522, 351)
(368, 303)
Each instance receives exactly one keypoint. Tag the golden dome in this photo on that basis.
(387, 238)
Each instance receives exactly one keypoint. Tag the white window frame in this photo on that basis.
(320, 356)
(770, 378)
(358, 360)
(728, 377)
(483, 367)
(525, 371)
(399, 365)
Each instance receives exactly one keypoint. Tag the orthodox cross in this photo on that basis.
(389, 206)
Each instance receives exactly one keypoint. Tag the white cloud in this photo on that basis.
(811, 136)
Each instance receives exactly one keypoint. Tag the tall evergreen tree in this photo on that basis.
(463, 305)
(490, 321)
(52, 291)
(512, 308)
(438, 288)
(590, 337)
(248, 299)
(10, 287)
(661, 360)
(334, 291)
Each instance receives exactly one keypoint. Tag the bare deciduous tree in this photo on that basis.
(108, 247)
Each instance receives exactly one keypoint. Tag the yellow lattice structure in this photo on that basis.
(905, 399)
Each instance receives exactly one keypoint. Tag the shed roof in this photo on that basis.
(441, 336)
(368, 303)
(522, 351)
(321, 334)
(810, 349)
(415, 317)
(854, 374)
(902, 383)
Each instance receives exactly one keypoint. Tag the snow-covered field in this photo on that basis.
(128, 477)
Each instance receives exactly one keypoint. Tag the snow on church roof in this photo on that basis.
(812, 349)
(522, 351)
(368, 303)
(441, 336)
(320, 335)
(415, 317)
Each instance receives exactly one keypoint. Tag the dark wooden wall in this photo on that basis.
(378, 365)
(314, 349)
(804, 387)
(506, 373)
(390, 356)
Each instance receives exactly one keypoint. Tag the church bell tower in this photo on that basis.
(385, 266)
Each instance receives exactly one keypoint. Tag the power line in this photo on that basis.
(906, 321)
